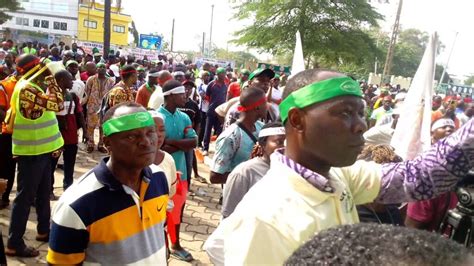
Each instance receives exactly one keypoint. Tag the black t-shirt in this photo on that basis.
(191, 108)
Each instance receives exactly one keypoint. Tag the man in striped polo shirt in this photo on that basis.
(115, 213)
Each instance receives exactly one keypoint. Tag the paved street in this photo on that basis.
(201, 215)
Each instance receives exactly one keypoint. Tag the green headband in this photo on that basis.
(319, 92)
(127, 122)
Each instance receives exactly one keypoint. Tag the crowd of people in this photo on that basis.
(294, 157)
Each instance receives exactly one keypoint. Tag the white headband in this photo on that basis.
(154, 75)
(442, 123)
(177, 90)
(271, 131)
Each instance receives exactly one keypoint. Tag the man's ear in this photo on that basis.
(296, 119)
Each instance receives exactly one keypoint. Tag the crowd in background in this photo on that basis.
(239, 109)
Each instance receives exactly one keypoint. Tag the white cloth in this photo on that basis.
(157, 98)
(79, 88)
(379, 135)
(283, 211)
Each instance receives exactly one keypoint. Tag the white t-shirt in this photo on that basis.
(156, 99)
(79, 88)
(202, 92)
(169, 168)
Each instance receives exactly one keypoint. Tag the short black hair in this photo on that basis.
(111, 112)
(379, 244)
(251, 95)
(263, 140)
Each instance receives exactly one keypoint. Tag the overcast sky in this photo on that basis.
(193, 17)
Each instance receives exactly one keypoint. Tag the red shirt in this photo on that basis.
(432, 211)
(144, 94)
(84, 76)
(70, 133)
(234, 90)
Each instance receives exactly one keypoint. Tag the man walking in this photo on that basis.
(216, 91)
(97, 87)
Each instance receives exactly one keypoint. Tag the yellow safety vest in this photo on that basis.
(34, 137)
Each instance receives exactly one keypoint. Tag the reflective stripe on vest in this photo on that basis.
(36, 142)
(34, 137)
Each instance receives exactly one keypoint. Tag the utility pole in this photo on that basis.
(210, 32)
(391, 46)
(107, 9)
(449, 58)
(203, 43)
(172, 36)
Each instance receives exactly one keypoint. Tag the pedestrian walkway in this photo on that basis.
(201, 216)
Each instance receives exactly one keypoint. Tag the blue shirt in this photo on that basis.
(217, 94)
(233, 147)
(177, 127)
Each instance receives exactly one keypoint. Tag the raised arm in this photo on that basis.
(433, 172)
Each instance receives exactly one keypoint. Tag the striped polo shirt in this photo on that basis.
(100, 221)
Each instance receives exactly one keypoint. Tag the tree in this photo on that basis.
(134, 31)
(469, 81)
(8, 6)
(331, 31)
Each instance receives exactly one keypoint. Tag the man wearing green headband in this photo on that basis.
(118, 203)
(316, 182)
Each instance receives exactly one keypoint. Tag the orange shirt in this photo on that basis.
(6, 91)
(144, 94)
(234, 90)
(438, 114)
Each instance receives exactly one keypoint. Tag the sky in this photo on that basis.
(193, 17)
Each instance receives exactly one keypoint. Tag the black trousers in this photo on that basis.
(7, 164)
(33, 184)
(69, 157)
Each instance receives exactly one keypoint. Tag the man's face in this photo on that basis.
(133, 78)
(97, 58)
(272, 143)
(275, 83)
(179, 99)
(152, 81)
(436, 103)
(101, 70)
(387, 104)
(65, 82)
(469, 110)
(189, 90)
(441, 133)
(55, 52)
(9, 59)
(337, 138)
(221, 76)
(73, 69)
(134, 148)
(205, 78)
(261, 82)
(160, 132)
(244, 77)
(141, 74)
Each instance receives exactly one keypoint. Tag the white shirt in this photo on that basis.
(79, 88)
(156, 99)
(283, 211)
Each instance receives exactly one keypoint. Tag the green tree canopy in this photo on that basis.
(331, 31)
(8, 6)
(469, 81)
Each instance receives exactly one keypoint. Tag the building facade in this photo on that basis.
(90, 23)
(48, 21)
(44, 21)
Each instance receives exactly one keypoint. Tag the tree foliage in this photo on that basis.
(331, 30)
(469, 81)
(8, 6)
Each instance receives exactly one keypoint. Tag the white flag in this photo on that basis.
(298, 59)
(412, 135)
